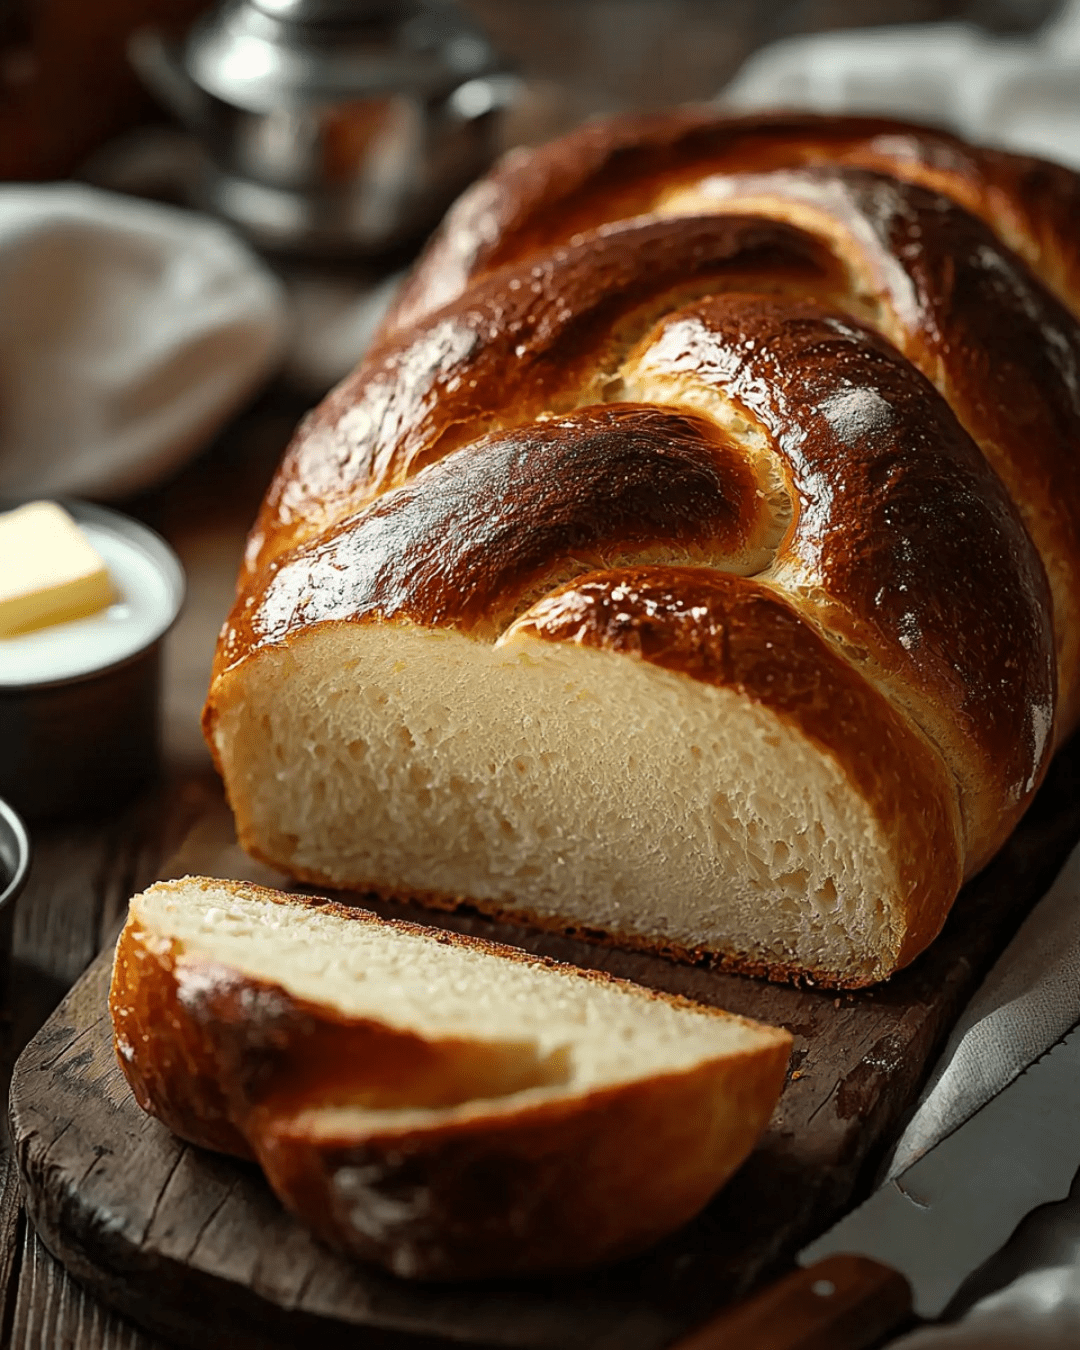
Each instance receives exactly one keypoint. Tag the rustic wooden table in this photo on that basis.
(83, 873)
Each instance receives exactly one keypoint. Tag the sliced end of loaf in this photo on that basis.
(442, 1105)
(577, 789)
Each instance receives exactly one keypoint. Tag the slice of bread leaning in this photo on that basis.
(447, 1107)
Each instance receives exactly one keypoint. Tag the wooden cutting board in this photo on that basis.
(196, 1248)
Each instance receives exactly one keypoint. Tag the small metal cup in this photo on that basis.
(14, 868)
(84, 744)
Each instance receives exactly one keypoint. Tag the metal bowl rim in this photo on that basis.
(11, 822)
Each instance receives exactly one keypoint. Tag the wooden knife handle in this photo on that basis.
(841, 1303)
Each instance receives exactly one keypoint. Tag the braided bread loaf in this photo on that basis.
(694, 559)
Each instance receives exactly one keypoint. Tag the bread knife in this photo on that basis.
(924, 1235)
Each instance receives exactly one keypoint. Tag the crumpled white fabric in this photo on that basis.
(1040, 1310)
(129, 332)
(1029, 1000)
(1019, 93)
(1023, 94)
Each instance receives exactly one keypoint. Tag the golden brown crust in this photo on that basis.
(526, 343)
(166, 1056)
(544, 1191)
(612, 170)
(467, 537)
(967, 313)
(239, 1065)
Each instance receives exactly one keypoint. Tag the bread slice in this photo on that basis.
(445, 1106)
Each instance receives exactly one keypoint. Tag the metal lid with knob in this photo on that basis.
(340, 125)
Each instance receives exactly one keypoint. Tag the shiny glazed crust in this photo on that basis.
(673, 304)
(624, 167)
(241, 1066)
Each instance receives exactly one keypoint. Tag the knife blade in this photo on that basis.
(935, 1224)
(950, 1211)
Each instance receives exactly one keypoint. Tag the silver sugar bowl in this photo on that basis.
(341, 126)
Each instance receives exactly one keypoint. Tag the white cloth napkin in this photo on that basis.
(129, 332)
(1020, 93)
(1023, 95)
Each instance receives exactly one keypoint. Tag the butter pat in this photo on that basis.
(49, 571)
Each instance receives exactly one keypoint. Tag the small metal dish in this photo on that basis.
(14, 856)
(80, 734)
(14, 868)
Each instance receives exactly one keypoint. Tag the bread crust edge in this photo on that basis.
(556, 1184)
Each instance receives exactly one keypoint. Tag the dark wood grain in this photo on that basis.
(195, 1247)
(79, 885)
(12, 1234)
(80, 881)
(53, 1311)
